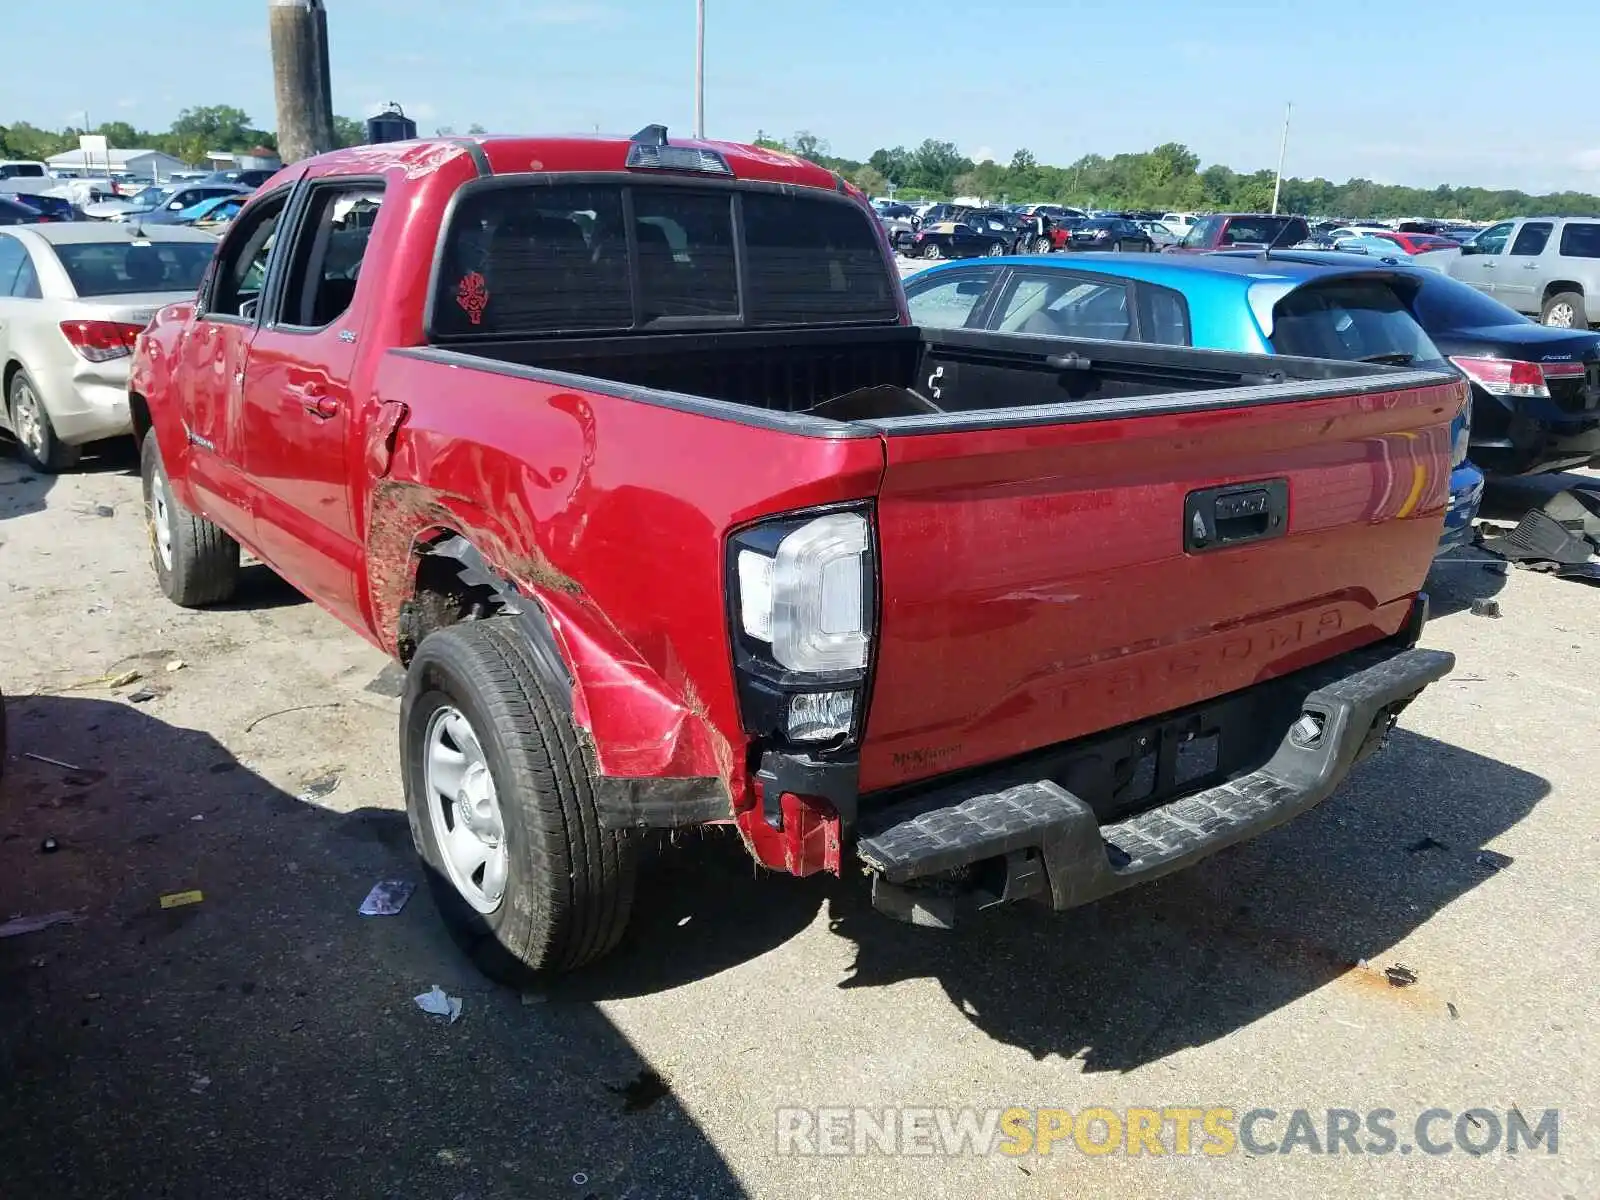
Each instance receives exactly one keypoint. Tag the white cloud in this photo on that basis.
(1586, 160)
(983, 154)
(128, 102)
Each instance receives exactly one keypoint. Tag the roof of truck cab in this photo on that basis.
(575, 153)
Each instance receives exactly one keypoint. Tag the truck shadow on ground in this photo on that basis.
(264, 1040)
(1178, 963)
(1202, 953)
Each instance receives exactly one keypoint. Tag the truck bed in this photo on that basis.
(1038, 508)
(918, 375)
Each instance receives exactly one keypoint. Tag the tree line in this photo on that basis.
(195, 133)
(1168, 177)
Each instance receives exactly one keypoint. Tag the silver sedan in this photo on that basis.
(74, 298)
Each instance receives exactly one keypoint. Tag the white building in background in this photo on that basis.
(142, 164)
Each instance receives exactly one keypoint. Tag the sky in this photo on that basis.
(1419, 92)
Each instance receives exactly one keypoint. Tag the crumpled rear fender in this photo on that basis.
(656, 760)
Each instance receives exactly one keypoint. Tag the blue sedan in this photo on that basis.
(1216, 302)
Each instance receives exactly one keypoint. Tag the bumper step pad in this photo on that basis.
(1353, 700)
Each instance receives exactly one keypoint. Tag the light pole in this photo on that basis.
(1283, 150)
(700, 68)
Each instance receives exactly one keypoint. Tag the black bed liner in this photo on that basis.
(907, 379)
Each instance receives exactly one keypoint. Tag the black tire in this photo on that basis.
(995, 249)
(569, 884)
(1558, 304)
(36, 436)
(204, 561)
(930, 251)
(1041, 245)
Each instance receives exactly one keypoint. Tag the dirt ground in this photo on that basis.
(263, 1042)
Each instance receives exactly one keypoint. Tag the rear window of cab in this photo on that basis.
(533, 259)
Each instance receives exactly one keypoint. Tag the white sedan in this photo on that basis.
(74, 298)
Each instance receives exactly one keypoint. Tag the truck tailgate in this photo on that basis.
(1043, 581)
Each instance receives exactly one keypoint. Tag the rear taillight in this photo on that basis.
(1504, 377)
(802, 616)
(101, 341)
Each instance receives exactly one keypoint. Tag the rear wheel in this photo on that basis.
(931, 250)
(502, 811)
(35, 434)
(995, 249)
(1565, 310)
(196, 563)
(1041, 245)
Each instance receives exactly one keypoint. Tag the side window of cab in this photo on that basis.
(239, 272)
(329, 247)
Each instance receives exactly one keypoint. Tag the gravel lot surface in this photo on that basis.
(263, 1042)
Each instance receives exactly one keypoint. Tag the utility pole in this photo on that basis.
(1283, 150)
(301, 77)
(700, 68)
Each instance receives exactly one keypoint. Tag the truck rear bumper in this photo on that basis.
(1038, 840)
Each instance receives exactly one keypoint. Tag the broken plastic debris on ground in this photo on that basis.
(387, 897)
(436, 1003)
(17, 926)
(320, 788)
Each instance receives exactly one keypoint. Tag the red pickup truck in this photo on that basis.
(628, 450)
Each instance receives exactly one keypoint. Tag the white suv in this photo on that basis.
(1547, 267)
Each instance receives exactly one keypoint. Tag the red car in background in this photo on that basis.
(1241, 231)
(1422, 243)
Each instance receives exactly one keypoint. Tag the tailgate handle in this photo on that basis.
(1234, 515)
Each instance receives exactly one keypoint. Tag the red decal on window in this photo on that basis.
(473, 296)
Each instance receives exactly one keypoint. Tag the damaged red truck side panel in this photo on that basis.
(627, 449)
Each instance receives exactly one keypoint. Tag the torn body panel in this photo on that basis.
(536, 487)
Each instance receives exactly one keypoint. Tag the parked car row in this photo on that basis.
(1536, 391)
(74, 297)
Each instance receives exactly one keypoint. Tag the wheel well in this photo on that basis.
(1561, 285)
(447, 591)
(12, 368)
(139, 414)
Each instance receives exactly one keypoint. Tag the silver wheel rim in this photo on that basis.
(1561, 316)
(464, 809)
(29, 420)
(161, 519)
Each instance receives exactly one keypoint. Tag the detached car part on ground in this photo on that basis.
(1344, 308)
(917, 614)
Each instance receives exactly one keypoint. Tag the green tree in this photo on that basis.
(870, 180)
(122, 136)
(197, 131)
(347, 132)
(808, 145)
